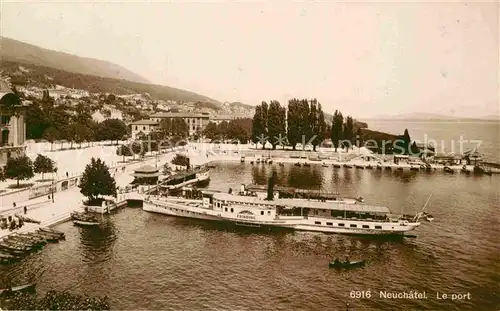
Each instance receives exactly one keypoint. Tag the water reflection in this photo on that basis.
(97, 242)
(288, 175)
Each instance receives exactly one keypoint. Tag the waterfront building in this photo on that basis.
(196, 122)
(448, 159)
(218, 119)
(12, 123)
(143, 127)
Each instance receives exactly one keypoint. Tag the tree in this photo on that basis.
(37, 121)
(51, 134)
(210, 130)
(137, 148)
(259, 124)
(174, 127)
(276, 123)
(124, 151)
(317, 123)
(336, 134)
(96, 180)
(181, 160)
(293, 123)
(43, 165)
(222, 129)
(349, 131)
(111, 129)
(304, 128)
(236, 132)
(406, 141)
(19, 168)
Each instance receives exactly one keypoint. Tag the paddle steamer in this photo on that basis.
(337, 215)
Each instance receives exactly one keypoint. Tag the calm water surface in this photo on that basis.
(148, 261)
(447, 134)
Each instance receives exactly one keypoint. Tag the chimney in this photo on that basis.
(270, 187)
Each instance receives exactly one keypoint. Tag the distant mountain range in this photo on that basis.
(27, 63)
(431, 116)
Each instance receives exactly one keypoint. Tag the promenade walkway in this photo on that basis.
(70, 200)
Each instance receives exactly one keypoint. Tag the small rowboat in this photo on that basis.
(49, 230)
(324, 165)
(448, 170)
(84, 223)
(337, 165)
(21, 288)
(348, 165)
(346, 265)
(361, 167)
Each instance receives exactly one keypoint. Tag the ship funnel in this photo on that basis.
(270, 187)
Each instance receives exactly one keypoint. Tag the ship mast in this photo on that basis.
(419, 215)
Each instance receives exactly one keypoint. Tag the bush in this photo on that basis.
(54, 300)
(181, 160)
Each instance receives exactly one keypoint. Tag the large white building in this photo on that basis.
(143, 127)
(196, 122)
(12, 124)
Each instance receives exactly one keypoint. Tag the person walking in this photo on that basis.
(25, 210)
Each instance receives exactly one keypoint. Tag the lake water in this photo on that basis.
(148, 261)
(482, 134)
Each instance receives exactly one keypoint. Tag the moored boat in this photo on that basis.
(448, 170)
(346, 264)
(337, 165)
(331, 215)
(199, 177)
(85, 223)
(21, 288)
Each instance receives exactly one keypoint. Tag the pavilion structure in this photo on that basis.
(146, 175)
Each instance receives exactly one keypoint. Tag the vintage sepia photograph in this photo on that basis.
(249, 155)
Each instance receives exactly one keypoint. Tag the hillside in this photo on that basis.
(430, 117)
(22, 73)
(17, 51)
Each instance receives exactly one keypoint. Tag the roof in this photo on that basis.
(222, 117)
(144, 122)
(146, 175)
(330, 205)
(179, 115)
(146, 169)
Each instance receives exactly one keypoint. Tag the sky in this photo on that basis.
(363, 58)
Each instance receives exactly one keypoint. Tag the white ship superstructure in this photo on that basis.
(329, 216)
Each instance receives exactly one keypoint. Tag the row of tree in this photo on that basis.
(22, 168)
(53, 123)
(303, 122)
(235, 130)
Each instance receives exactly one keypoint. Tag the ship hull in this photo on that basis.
(172, 208)
(193, 209)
